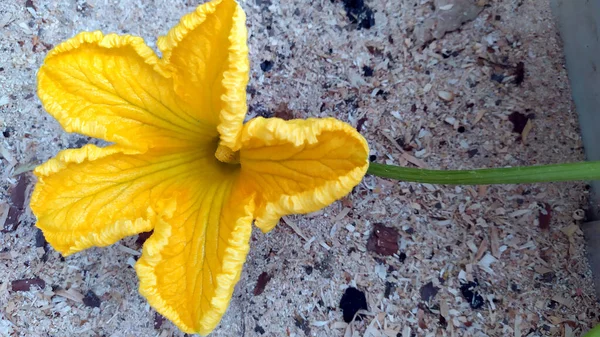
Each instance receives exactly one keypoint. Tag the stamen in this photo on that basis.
(226, 155)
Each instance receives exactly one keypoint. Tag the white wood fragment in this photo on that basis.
(294, 226)
(486, 262)
(309, 243)
(127, 250)
(446, 96)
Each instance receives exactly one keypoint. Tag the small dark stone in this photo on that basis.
(158, 320)
(29, 4)
(83, 8)
(266, 65)
(472, 153)
(402, 257)
(497, 77)
(259, 329)
(389, 289)
(367, 71)
(91, 299)
(372, 158)
(302, 324)
(352, 301)
(263, 279)
(359, 13)
(514, 287)
(519, 121)
(547, 277)
(472, 296)
(428, 291)
(383, 240)
(461, 129)
(498, 18)
(520, 73)
(7, 132)
(25, 284)
(308, 269)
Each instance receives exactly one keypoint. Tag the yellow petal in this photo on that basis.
(192, 261)
(300, 166)
(110, 87)
(208, 57)
(95, 196)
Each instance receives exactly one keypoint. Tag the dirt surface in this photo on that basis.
(469, 261)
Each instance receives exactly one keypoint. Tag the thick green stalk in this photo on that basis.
(509, 175)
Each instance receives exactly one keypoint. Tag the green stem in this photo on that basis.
(509, 175)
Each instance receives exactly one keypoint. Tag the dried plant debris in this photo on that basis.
(18, 195)
(383, 240)
(449, 16)
(263, 279)
(352, 301)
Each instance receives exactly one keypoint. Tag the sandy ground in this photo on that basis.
(448, 105)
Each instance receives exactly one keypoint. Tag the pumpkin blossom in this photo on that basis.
(181, 160)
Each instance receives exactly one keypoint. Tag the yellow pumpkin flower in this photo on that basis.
(181, 160)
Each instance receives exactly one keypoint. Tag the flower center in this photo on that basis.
(226, 155)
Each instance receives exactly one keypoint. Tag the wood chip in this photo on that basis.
(526, 131)
(494, 241)
(479, 116)
(128, 250)
(27, 284)
(71, 294)
(8, 255)
(294, 227)
(446, 96)
(383, 240)
(483, 247)
(567, 302)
